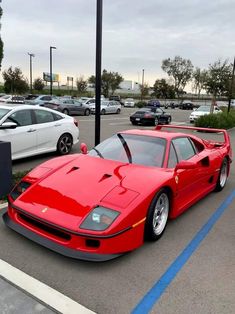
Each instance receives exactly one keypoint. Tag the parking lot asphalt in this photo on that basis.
(190, 270)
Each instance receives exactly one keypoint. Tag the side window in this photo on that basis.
(57, 117)
(21, 117)
(184, 148)
(44, 116)
(172, 161)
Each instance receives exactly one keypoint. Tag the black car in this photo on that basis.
(186, 106)
(153, 116)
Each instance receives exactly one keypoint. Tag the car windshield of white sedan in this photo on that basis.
(3, 112)
(203, 108)
(136, 149)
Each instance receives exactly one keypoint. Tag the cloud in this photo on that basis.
(136, 34)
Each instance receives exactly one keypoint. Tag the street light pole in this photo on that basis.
(231, 87)
(51, 68)
(142, 85)
(31, 55)
(99, 6)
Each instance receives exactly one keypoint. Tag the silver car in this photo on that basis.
(108, 106)
(69, 106)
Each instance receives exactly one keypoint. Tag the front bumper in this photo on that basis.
(66, 251)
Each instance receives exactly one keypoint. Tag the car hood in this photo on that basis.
(68, 194)
(199, 113)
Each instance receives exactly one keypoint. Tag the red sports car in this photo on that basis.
(100, 204)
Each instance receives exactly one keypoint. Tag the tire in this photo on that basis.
(87, 112)
(103, 111)
(118, 111)
(134, 123)
(64, 144)
(156, 121)
(223, 175)
(168, 120)
(65, 111)
(157, 216)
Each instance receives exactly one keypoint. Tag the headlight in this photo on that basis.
(19, 189)
(99, 219)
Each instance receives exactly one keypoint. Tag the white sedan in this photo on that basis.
(34, 130)
(202, 111)
(108, 106)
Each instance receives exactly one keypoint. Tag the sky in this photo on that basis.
(136, 35)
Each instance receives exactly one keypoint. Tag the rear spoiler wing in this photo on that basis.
(225, 133)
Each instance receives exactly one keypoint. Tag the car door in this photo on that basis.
(78, 107)
(188, 181)
(23, 137)
(48, 130)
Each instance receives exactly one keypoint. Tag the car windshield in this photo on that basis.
(129, 99)
(203, 108)
(5, 97)
(3, 112)
(131, 148)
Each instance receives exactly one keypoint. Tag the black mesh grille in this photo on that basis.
(49, 229)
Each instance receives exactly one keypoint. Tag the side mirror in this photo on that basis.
(184, 164)
(83, 148)
(8, 125)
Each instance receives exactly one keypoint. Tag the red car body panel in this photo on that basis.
(65, 190)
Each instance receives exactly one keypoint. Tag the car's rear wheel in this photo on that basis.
(156, 121)
(87, 112)
(65, 111)
(103, 111)
(64, 144)
(223, 175)
(157, 216)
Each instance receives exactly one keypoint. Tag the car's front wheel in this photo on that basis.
(64, 144)
(103, 111)
(157, 216)
(168, 120)
(118, 111)
(223, 175)
(156, 121)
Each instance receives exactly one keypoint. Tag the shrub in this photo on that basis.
(16, 177)
(222, 120)
(141, 104)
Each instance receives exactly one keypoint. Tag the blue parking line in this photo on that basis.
(153, 295)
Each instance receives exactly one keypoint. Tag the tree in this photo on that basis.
(180, 69)
(199, 80)
(14, 81)
(219, 77)
(81, 85)
(161, 89)
(110, 81)
(1, 42)
(38, 84)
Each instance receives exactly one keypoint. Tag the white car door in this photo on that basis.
(48, 130)
(23, 137)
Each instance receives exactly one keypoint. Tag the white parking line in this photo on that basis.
(40, 291)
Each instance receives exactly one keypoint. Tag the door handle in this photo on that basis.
(57, 124)
(31, 130)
